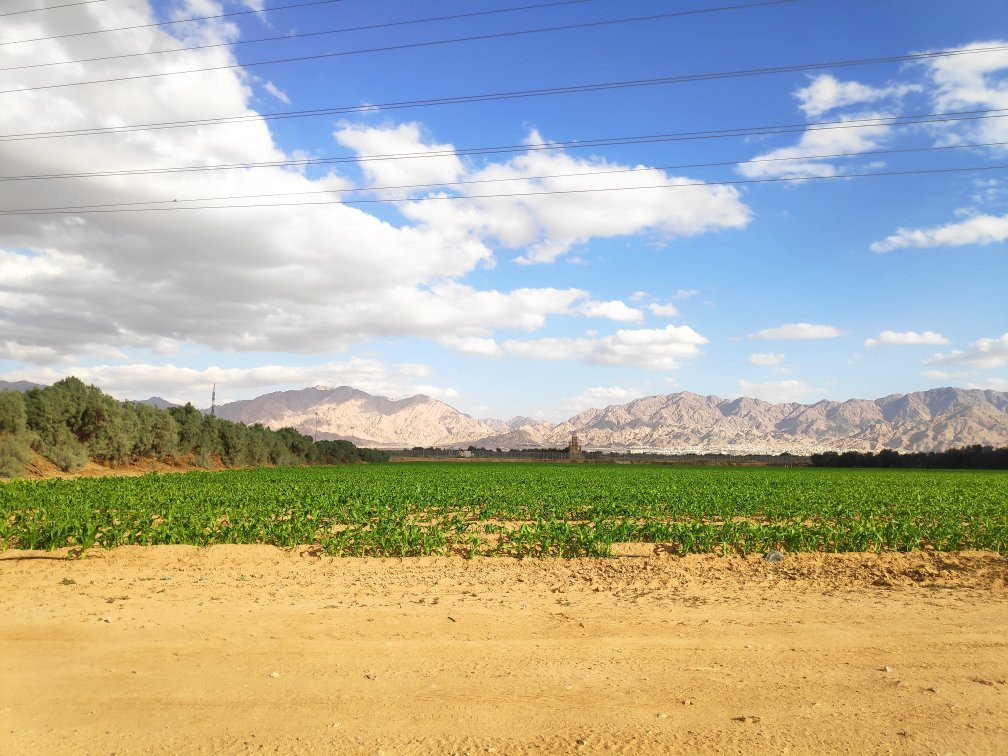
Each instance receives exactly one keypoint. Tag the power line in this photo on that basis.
(470, 182)
(174, 206)
(50, 7)
(405, 46)
(162, 23)
(902, 120)
(301, 35)
(486, 97)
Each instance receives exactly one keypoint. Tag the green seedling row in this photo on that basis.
(517, 509)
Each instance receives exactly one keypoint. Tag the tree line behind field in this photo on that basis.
(70, 423)
(974, 457)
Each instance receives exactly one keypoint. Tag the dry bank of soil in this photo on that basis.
(246, 648)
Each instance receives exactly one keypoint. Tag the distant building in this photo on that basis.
(575, 447)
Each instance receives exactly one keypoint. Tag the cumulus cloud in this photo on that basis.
(765, 360)
(429, 162)
(780, 391)
(595, 396)
(652, 348)
(906, 337)
(476, 345)
(664, 310)
(982, 353)
(547, 226)
(971, 82)
(978, 229)
(944, 375)
(613, 310)
(826, 92)
(797, 331)
(786, 162)
(993, 384)
(306, 278)
(184, 384)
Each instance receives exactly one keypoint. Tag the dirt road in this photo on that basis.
(235, 649)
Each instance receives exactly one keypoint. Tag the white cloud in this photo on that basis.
(979, 229)
(652, 348)
(685, 294)
(944, 375)
(310, 278)
(184, 384)
(595, 396)
(637, 296)
(476, 345)
(982, 353)
(664, 310)
(993, 384)
(780, 163)
(548, 226)
(614, 310)
(971, 82)
(825, 92)
(765, 359)
(906, 337)
(432, 163)
(278, 93)
(797, 331)
(780, 391)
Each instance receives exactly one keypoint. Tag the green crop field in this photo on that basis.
(517, 509)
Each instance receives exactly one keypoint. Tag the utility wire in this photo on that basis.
(904, 120)
(470, 182)
(159, 23)
(486, 97)
(405, 46)
(301, 35)
(735, 182)
(50, 7)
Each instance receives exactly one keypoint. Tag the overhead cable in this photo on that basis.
(579, 174)
(486, 97)
(902, 120)
(50, 7)
(160, 23)
(403, 46)
(301, 35)
(175, 205)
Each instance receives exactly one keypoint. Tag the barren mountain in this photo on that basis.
(357, 416)
(922, 421)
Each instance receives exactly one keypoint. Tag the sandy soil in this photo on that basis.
(41, 468)
(235, 649)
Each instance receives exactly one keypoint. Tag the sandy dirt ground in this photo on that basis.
(253, 649)
(41, 468)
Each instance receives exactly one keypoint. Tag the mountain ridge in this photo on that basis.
(931, 420)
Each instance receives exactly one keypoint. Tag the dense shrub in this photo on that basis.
(70, 423)
(15, 440)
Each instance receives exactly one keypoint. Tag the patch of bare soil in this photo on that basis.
(245, 648)
(41, 468)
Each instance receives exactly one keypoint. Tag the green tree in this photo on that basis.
(15, 440)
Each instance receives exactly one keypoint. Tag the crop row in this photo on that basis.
(517, 509)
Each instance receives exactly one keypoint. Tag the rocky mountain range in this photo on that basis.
(922, 421)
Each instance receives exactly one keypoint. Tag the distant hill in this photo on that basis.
(18, 385)
(922, 421)
(347, 413)
(157, 401)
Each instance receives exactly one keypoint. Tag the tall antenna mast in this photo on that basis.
(213, 400)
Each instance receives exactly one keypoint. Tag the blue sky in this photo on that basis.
(795, 290)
